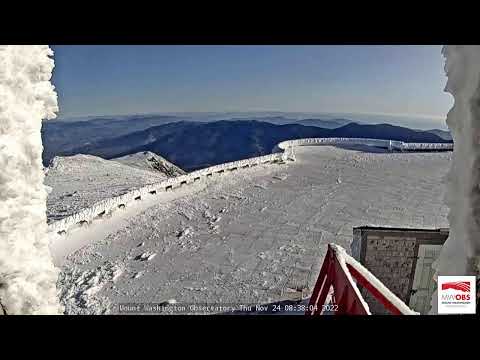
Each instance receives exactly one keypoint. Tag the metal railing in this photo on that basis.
(336, 281)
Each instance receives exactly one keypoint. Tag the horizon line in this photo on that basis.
(405, 115)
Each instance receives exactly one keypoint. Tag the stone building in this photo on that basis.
(401, 259)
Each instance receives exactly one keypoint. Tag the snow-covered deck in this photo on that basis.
(256, 236)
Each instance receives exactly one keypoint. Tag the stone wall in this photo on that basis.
(391, 255)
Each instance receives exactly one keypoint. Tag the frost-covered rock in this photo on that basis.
(185, 233)
(147, 160)
(146, 256)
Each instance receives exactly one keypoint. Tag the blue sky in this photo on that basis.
(107, 80)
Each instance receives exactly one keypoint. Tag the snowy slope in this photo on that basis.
(147, 160)
(255, 237)
(77, 182)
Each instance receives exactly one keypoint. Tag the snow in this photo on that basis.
(425, 146)
(147, 256)
(80, 181)
(460, 254)
(152, 162)
(244, 254)
(80, 236)
(281, 177)
(184, 233)
(282, 152)
(89, 214)
(27, 274)
(84, 286)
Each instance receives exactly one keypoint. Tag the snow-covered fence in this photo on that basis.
(102, 207)
(427, 147)
(282, 152)
(386, 144)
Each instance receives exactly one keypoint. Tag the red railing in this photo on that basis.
(337, 272)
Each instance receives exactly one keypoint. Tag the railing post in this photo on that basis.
(323, 280)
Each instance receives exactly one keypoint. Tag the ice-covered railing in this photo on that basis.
(387, 144)
(426, 146)
(103, 207)
(282, 152)
(338, 280)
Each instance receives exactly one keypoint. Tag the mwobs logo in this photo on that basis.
(458, 285)
(456, 295)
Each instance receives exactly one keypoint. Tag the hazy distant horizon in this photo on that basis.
(420, 122)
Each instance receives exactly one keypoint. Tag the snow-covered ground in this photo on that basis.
(79, 181)
(256, 236)
(147, 160)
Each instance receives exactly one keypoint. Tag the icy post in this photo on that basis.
(461, 253)
(27, 274)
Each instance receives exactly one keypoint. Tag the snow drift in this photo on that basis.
(461, 252)
(27, 275)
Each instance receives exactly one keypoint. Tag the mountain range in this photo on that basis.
(194, 145)
(445, 135)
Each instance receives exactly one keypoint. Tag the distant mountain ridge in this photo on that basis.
(61, 137)
(326, 124)
(387, 132)
(318, 122)
(445, 135)
(194, 145)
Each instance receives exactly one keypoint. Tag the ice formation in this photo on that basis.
(461, 252)
(27, 275)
